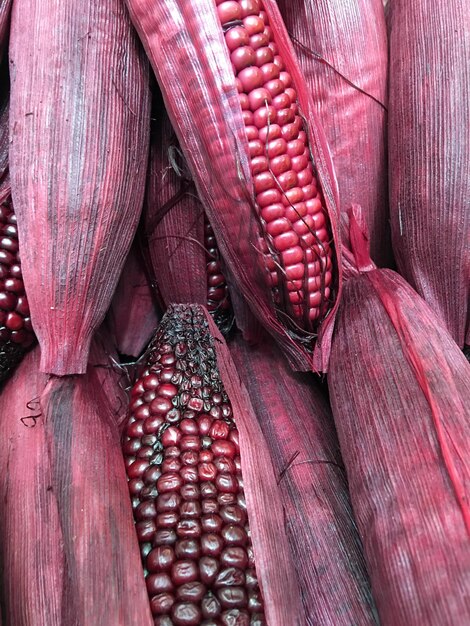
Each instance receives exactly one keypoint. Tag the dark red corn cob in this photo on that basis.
(183, 464)
(16, 332)
(218, 296)
(297, 237)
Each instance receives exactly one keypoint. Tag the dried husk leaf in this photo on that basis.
(5, 8)
(429, 147)
(296, 420)
(70, 556)
(342, 51)
(399, 388)
(174, 220)
(274, 565)
(184, 42)
(78, 158)
(175, 223)
(133, 315)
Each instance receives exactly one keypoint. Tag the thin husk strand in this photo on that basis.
(429, 149)
(70, 557)
(342, 51)
(133, 316)
(296, 421)
(185, 44)
(78, 158)
(399, 387)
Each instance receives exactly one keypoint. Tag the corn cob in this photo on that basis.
(78, 157)
(237, 101)
(399, 389)
(342, 50)
(296, 420)
(180, 238)
(196, 516)
(429, 147)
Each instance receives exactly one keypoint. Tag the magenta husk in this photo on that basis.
(399, 389)
(133, 316)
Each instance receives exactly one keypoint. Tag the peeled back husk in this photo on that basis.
(70, 557)
(78, 158)
(296, 420)
(342, 50)
(186, 46)
(429, 149)
(399, 388)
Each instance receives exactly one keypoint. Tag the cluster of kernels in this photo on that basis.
(15, 322)
(218, 298)
(297, 244)
(183, 465)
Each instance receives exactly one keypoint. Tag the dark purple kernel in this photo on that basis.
(187, 549)
(208, 568)
(230, 577)
(160, 559)
(191, 592)
(186, 614)
(184, 571)
(210, 606)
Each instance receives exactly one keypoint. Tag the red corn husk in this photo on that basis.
(190, 385)
(78, 160)
(186, 46)
(342, 50)
(176, 227)
(430, 154)
(133, 315)
(399, 388)
(297, 423)
(70, 556)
